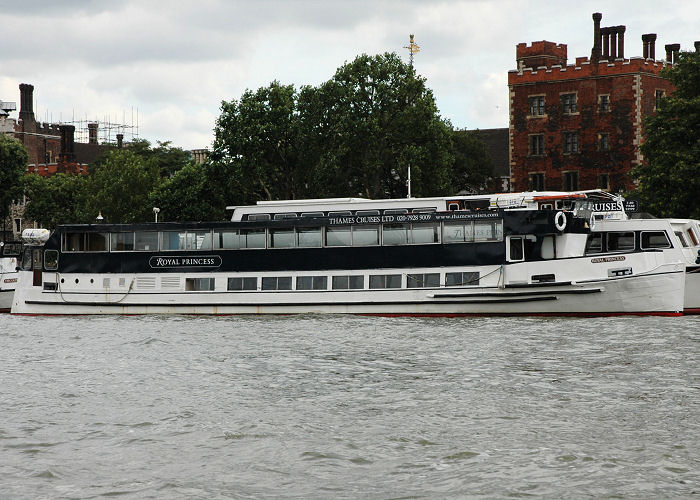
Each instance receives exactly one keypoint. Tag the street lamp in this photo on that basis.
(155, 211)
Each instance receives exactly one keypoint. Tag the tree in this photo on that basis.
(119, 187)
(187, 196)
(59, 199)
(13, 163)
(669, 179)
(472, 169)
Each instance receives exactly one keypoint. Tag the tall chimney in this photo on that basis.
(605, 33)
(613, 43)
(120, 140)
(621, 41)
(92, 133)
(26, 97)
(652, 46)
(697, 46)
(672, 50)
(67, 154)
(595, 53)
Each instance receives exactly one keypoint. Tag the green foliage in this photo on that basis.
(59, 199)
(13, 162)
(186, 196)
(472, 170)
(669, 180)
(119, 188)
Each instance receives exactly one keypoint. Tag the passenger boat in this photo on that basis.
(469, 255)
(10, 251)
(687, 231)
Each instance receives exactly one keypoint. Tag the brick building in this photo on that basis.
(579, 126)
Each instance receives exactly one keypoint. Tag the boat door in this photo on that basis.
(37, 265)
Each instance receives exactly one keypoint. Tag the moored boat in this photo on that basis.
(10, 251)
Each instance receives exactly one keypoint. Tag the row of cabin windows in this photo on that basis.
(568, 101)
(619, 241)
(691, 235)
(340, 213)
(301, 237)
(569, 181)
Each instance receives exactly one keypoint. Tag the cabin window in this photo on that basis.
(348, 282)
(338, 236)
(242, 283)
(488, 230)
(367, 213)
(312, 282)
(516, 251)
(425, 233)
(121, 242)
(252, 238)
(27, 259)
(277, 283)
(146, 241)
(655, 239)
(12, 249)
(97, 242)
(396, 211)
(458, 232)
(285, 216)
(620, 242)
(185, 240)
(453, 206)
(258, 216)
(548, 249)
(427, 210)
(385, 281)
(226, 239)
(594, 243)
(693, 238)
(395, 234)
(365, 235)
(199, 284)
(682, 238)
(309, 237)
(427, 280)
(51, 260)
(461, 279)
(74, 242)
(281, 238)
(312, 214)
(342, 213)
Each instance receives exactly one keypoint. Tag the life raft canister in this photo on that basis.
(560, 221)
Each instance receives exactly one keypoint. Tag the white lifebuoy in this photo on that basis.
(560, 221)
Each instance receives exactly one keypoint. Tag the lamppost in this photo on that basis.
(155, 211)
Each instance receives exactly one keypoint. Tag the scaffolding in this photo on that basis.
(107, 130)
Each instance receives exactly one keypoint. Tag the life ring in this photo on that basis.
(560, 221)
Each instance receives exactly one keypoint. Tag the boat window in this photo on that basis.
(242, 283)
(281, 238)
(121, 242)
(312, 282)
(338, 236)
(252, 238)
(693, 238)
(427, 210)
(73, 242)
(655, 239)
(226, 239)
(395, 234)
(516, 252)
(488, 230)
(547, 251)
(462, 279)
(201, 240)
(423, 280)
(12, 249)
(185, 240)
(312, 214)
(546, 206)
(425, 233)
(366, 213)
(543, 278)
(348, 282)
(458, 232)
(258, 217)
(594, 243)
(172, 240)
(290, 215)
(97, 242)
(452, 206)
(199, 284)
(51, 260)
(309, 237)
(365, 235)
(682, 238)
(343, 213)
(385, 281)
(396, 211)
(620, 242)
(146, 241)
(277, 283)
(27, 259)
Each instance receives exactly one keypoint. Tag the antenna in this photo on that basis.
(413, 48)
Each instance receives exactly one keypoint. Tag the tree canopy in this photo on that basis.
(669, 179)
(13, 162)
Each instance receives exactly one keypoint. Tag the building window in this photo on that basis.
(604, 103)
(536, 181)
(18, 225)
(659, 95)
(570, 181)
(570, 142)
(568, 103)
(604, 182)
(536, 145)
(604, 142)
(536, 105)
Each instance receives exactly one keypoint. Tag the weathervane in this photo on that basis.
(413, 48)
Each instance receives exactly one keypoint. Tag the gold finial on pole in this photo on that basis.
(413, 48)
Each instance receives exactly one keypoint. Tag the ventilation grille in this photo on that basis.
(146, 283)
(170, 282)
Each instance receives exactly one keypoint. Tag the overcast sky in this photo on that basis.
(171, 63)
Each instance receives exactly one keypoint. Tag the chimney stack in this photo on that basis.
(648, 42)
(26, 97)
(92, 133)
(595, 53)
(672, 50)
(67, 154)
(120, 140)
(605, 34)
(621, 41)
(697, 46)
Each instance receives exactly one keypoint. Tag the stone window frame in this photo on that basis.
(572, 109)
(608, 103)
(530, 149)
(658, 95)
(542, 106)
(564, 176)
(531, 185)
(604, 145)
(575, 147)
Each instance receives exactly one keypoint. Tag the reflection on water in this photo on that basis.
(348, 407)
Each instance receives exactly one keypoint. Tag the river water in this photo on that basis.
(349, 407)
